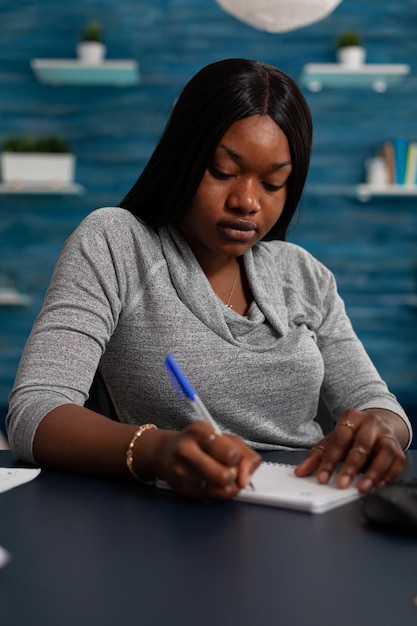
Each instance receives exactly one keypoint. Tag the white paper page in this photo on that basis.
(277, 485)
(11, 477)
(4, 557)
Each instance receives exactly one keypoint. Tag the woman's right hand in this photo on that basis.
(197, 462)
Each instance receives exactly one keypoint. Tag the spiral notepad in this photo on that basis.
(276, 485)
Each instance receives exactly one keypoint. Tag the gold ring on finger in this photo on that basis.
(348, 424)
(388, 437)
(359, 450)
(319, 447)
(212, 437)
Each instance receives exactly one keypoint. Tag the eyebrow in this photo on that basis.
(236, 157)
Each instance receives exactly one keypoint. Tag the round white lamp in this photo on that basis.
(279, 16)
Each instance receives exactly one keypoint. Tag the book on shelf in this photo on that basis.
(411, 164)
(400, 158)
(387, 152)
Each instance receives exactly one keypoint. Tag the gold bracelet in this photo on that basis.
(129, 453)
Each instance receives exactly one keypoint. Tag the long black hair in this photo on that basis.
(215, 98)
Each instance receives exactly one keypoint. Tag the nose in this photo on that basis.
(244, 196)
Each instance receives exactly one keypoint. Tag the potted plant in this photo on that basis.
(349, 49)
(10, 294)
(91, 49)
(47, 161)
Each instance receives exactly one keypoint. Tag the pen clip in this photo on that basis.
(181, 383)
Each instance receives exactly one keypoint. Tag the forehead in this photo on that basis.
(258, 135)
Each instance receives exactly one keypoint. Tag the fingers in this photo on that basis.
(312, 461)
(206, 463)
(361, 441)
(232, 451)
(372, 444)
(388, 461)
(188, 482)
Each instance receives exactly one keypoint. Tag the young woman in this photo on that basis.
(194, 263)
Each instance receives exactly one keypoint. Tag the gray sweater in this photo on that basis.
(123, 296)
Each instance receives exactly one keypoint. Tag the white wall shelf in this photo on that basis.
(365, 192)
(327, 189)
(10, 296)
(41, 189)
(379, 77)
(74, 72)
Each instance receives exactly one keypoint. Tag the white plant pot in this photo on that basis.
(91, 52)
(377, 173)
(352, 56)
(20, 168)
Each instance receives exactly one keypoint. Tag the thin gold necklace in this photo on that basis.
(233, 287)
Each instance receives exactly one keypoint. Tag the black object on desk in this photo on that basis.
(393, 507)
(91, 552)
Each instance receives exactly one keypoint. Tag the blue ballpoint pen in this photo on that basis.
(184, 387)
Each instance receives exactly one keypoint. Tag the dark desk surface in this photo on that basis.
(92, 552)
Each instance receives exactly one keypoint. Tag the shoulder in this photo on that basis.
(115, 228)
(112, 237)
(109, 219)
(299, 279)
(296, 274)
(292, 263)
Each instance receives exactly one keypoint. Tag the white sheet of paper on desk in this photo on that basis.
(11, 477)
(4, 557)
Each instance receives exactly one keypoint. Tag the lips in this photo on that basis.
(238, 230)
(239, 225)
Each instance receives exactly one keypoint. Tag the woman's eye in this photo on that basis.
(270, 187)
(219, 174)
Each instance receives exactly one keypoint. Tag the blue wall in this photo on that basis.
(371, 247)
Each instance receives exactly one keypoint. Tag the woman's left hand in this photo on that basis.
(369, 437)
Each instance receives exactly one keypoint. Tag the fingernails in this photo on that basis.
(344, 481)
(366, 484)
(323, 477)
